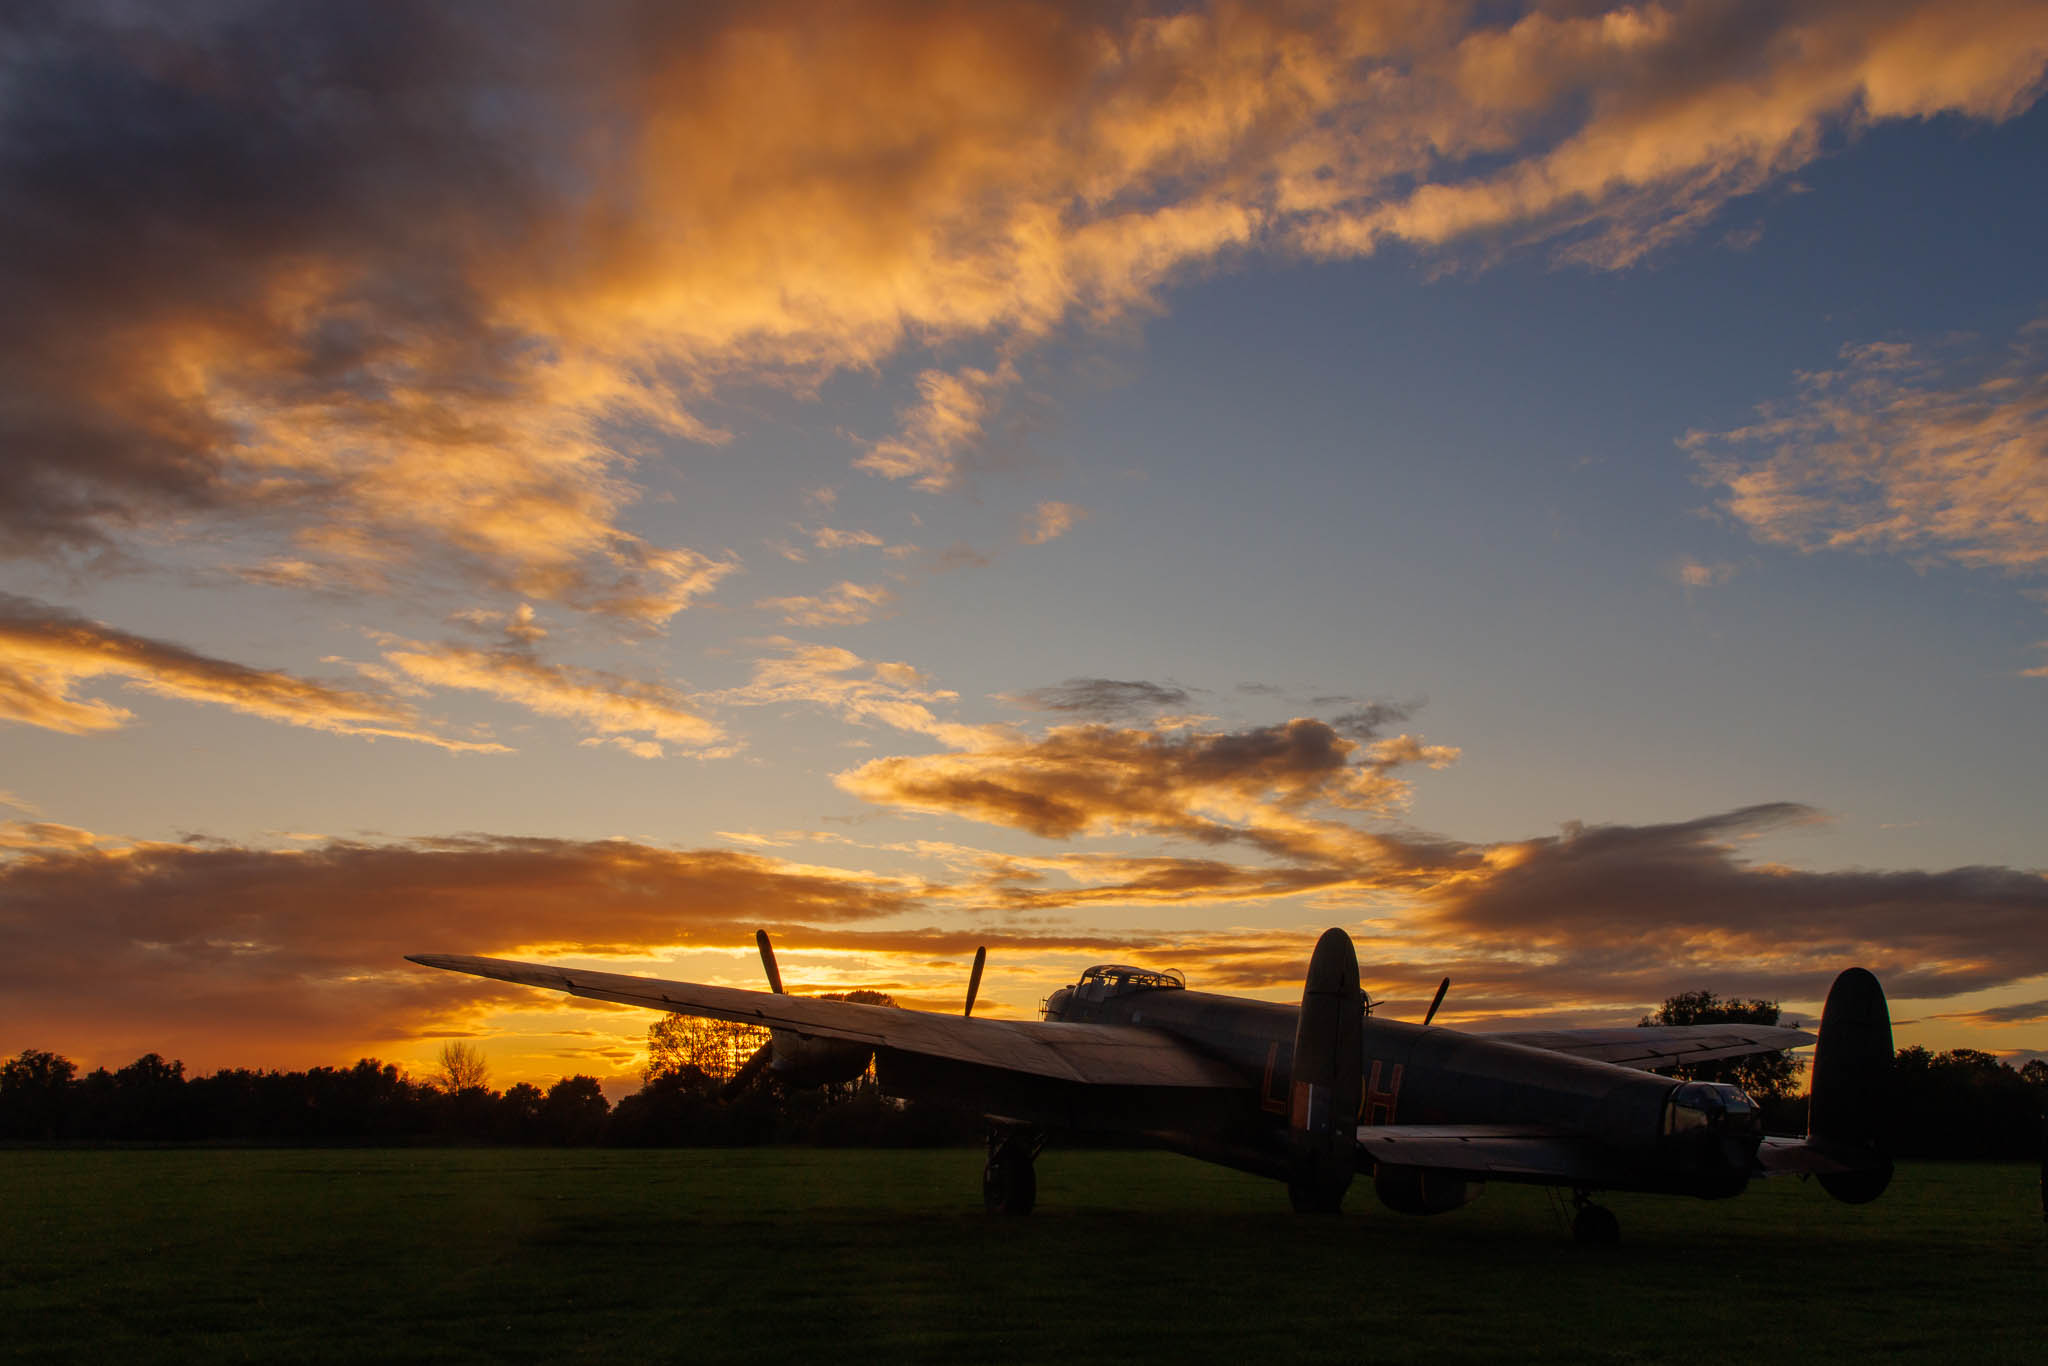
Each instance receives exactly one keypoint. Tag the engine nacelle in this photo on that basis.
(799, 1060)
(1415, 1190)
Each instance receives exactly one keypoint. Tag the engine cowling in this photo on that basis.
(800, 1060)
(1414, 1190)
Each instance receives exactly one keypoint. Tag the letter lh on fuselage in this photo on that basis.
(1318, 1093)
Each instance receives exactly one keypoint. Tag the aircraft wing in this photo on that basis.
(1651, 1047)
(1496, 1152)
(1099, 1055)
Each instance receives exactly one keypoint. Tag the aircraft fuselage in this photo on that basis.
(1415, 1075)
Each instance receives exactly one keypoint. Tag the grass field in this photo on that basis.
(797, 1254)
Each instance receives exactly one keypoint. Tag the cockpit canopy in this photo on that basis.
(1106, 980)
(1114, 979)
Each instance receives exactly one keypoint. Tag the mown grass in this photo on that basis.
(792, 1254)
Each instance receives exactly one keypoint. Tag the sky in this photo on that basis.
(1560, 490)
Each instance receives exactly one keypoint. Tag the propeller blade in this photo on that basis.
(749, 1070)
(1441, 988)
(974, 978)
(768, 961)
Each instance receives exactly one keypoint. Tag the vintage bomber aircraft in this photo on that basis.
(1317, 1093)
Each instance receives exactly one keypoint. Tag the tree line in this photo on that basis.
(43, 1098)
(1961, 1103)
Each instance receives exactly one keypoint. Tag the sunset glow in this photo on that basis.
(1561, 492)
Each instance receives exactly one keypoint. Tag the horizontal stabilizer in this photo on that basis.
(1811, 1157)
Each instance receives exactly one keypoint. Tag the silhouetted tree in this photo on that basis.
(462, 1067)
(1963, 1103)
(519, 1113)
(34, 1088)
(717, 1048)
(1768, 1077)
(149, 1099)
(574, 1111)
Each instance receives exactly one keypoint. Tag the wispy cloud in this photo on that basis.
(1935, 453)
(421, 289)
(1107, 699)
(47, 654)
(1052, 521)
(2000, 1017)
(845, 604)
(1700, 574)
(888, 693)
(633, 714)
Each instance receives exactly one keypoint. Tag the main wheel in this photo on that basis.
(1009, 1183)
(1311, 1197)
(1596, 1226)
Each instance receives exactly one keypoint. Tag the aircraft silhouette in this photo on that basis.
(1315, 1094)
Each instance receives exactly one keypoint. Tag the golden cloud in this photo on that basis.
(1052, 521)
(423, 287)
(233, 951)
(46, 654)
(888, 693)
(1256, 785)
(614, 708)
(1901, 451)
(227, 954)
(847, 604)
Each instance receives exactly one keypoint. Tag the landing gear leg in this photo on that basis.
(1593, 1225)
(1009, 1182)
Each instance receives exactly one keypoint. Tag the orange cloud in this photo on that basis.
(248, 955)
(847, 604)
(1257, 785)
(614, 708)
(232, 955)
(421, 290)
(46, 654)
(1900, 451)
(1052, 521)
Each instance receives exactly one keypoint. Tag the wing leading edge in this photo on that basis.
(1662, 1045)
(1095, 1055)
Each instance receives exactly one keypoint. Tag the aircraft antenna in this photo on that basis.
(1441, 988)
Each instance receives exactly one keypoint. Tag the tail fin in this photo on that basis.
(1848, 1115)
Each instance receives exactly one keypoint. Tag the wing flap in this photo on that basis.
(1489, 1151)
(1657, 1046)
(1096, 1055)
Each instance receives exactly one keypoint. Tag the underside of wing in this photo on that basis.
(1651, 1047)
(1803, 1156)
(1490, 1152)
(1089, 1054)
